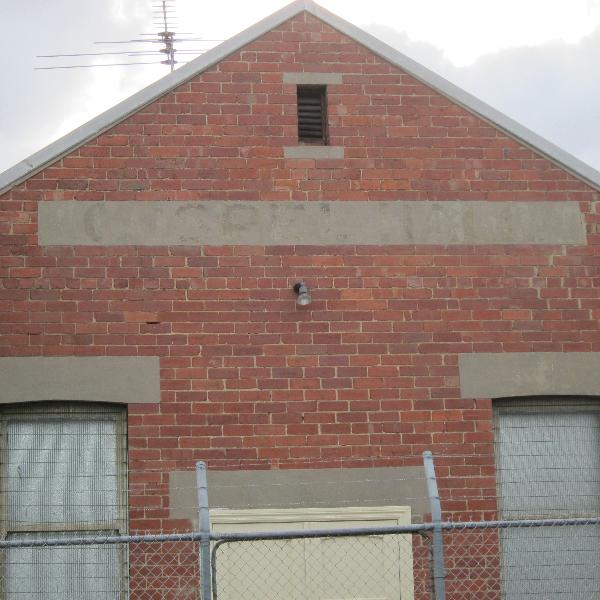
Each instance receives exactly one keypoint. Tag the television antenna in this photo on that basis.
(167, 38)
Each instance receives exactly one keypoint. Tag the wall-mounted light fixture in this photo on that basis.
(303, 293)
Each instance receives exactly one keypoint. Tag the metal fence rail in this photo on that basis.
(385, 561)
(370, 563)
(317, 552)
(99, 568)
(531, 559)
(556, 558)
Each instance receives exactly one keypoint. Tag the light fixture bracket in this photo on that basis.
(301, 290)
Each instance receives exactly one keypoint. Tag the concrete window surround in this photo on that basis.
(313, 151)
(241, 222)
(312, 78)
(529, 374)
(117, 379)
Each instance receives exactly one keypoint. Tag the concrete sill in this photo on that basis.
(314, 152)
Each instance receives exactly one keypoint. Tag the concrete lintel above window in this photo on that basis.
(312, 78)
(529, 374)
(119, 379)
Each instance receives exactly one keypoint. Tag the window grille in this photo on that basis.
(548, 466)
(63, 474)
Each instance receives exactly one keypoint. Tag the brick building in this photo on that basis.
(148, 263)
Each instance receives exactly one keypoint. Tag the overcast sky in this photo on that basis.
(538, 61)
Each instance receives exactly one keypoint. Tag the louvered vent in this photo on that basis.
(312, 114)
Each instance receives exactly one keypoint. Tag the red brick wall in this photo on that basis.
(367, 375)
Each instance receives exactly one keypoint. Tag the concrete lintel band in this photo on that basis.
(313, 78)
(529, 374)
(301, 488)
(120, 379)
(233, 222)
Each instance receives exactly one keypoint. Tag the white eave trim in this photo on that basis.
(459, 96)
(43, 158)
(108, 119)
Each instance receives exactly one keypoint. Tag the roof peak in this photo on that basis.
(108, 119)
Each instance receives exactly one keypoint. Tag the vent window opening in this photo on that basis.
(312, 114)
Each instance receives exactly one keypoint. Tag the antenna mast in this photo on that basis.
(164, 18)
(167, 38)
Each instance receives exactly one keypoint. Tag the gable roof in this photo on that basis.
(108, 119)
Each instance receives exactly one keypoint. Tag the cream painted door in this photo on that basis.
(260, 570)
(374, 567)
(349, 568)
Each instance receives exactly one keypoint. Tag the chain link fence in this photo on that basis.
(495, 560)
(370, 563)
(365, 563)
(523, 559)
(101, 568)
(71, 512)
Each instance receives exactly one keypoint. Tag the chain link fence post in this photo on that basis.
(204, 529)
(439, 574)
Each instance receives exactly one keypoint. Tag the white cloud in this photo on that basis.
(550, 88)
(467, 29)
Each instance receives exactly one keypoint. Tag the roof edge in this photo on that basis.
(39, 160)
(108, 119)
(506, 124)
